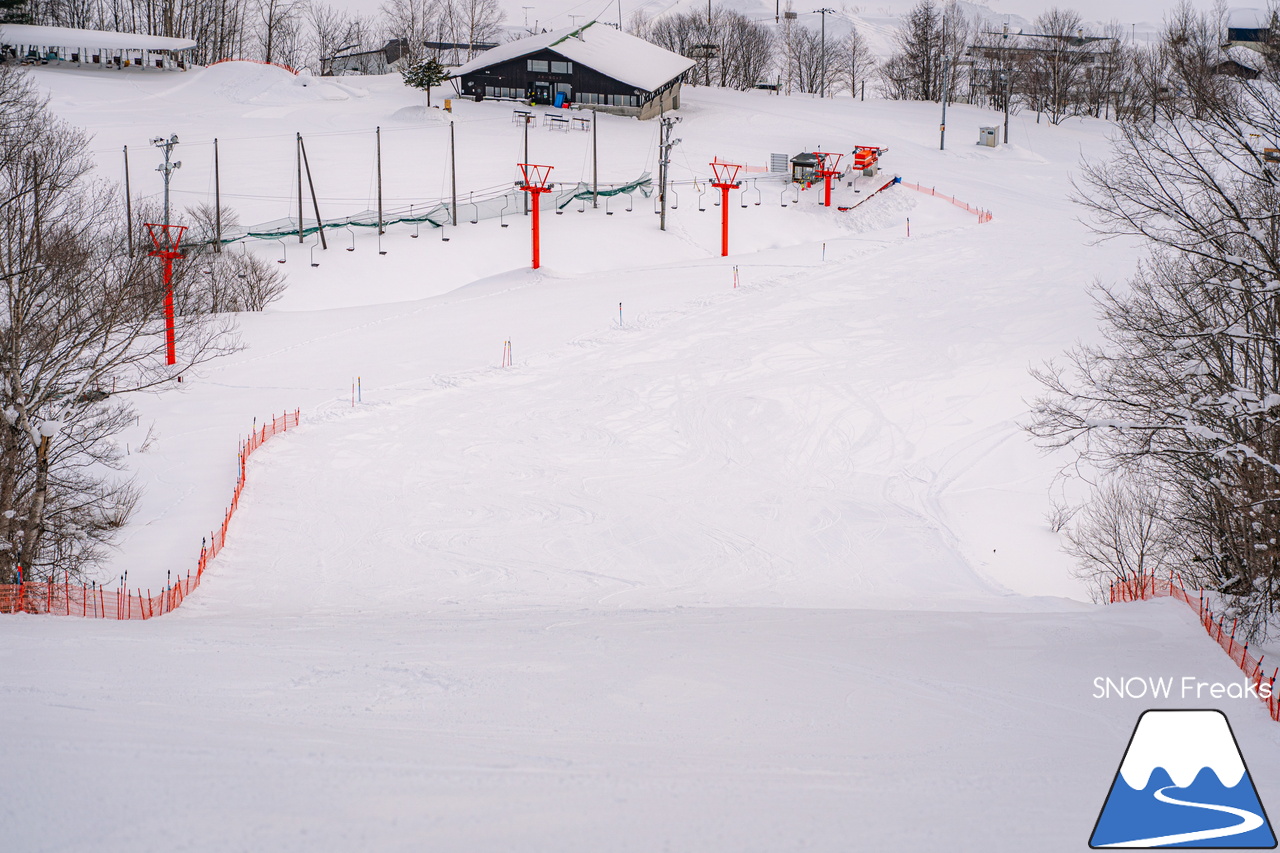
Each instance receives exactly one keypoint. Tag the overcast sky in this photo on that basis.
(559, 13)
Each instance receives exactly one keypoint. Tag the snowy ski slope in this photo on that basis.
(755, 568)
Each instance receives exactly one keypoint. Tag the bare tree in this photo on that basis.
(858, 64)
(410, 20)
(930, 43)
(212, 282)
(1185, 392)
(278, 27)
(478, 21)
(1054, 69)
(80, 324)
(1121, 532)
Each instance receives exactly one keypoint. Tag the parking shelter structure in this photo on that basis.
(27, 44)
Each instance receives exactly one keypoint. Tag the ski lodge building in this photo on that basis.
(27, 44)
(593, 66)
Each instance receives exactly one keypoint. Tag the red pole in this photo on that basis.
(171, 353)
(827, 199)
(537, 259)
(724, 220)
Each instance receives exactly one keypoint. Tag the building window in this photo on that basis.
(538, 65)
(560, 67)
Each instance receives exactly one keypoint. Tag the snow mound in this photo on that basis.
(242, 82)
(420, 115)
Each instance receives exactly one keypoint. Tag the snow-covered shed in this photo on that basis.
(595, 66)
(28, 44)
(1248, 28)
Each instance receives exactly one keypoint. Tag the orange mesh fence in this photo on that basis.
(75, 599)
(983, 215)
(1142, 587)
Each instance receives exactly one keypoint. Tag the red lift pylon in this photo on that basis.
(725, 173)
(167, 239)
(535, 183)
(828, 168)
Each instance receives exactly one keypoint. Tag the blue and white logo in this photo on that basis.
(1183, 783)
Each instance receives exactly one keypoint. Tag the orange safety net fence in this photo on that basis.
(76, 599)
(983, 215)
(1142, 587)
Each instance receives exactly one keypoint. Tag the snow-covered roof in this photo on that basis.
(27, 34)
(613, 53)
(1245, 56)
(1248, 19)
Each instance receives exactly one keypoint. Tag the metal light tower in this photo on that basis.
(665, 145)
(725, 173)
(535, 183)
(167, 168)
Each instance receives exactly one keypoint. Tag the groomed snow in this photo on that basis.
(754, 568)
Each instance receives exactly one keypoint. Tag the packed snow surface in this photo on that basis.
(709, 567)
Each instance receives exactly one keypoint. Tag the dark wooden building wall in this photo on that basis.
(515, 74)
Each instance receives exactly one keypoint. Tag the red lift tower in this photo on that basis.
(726, 175)
(535, 183)
(167, 239)
(828, 168)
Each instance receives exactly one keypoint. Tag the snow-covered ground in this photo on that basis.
(752, 568)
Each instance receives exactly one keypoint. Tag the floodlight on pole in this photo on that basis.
(535, 183)
(167, 168)
(726, 179)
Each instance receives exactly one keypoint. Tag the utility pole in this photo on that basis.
(315, 203)
(823, 12)
(128, 202)
(595, 164)
(453, 175)
(1008, 93)
(298, 154)
(942, 145)
(1006, 74)
(378, 143)
(167, 168)
(664, 164)
(527, 119)
(217, 201)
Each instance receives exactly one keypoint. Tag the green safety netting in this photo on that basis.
(472, 207)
